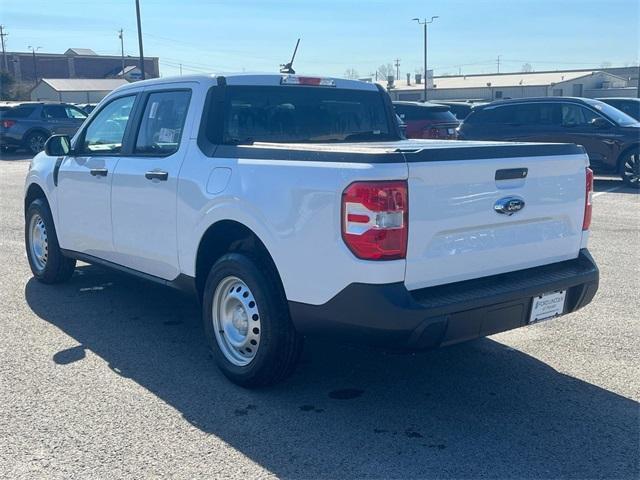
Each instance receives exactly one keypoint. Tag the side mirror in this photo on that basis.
(600, 123)
(57, 146)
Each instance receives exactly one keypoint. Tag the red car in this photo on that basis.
(427, 120)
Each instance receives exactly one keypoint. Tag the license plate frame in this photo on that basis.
(547, 306)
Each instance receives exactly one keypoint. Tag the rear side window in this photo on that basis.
(20, 112)
(54, 112)
(297, 114)
(517, 114)
(162, 122)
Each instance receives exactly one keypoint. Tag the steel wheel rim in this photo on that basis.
(236, 321)
(38, 243)
(632, 169)
(36, 143)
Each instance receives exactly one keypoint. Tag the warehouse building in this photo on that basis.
(74, 63)
(498, 86)
(75, 90)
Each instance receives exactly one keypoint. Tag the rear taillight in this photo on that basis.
(588, 207)
(7, 123)
(375, 219)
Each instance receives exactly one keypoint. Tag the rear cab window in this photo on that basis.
(300, 114)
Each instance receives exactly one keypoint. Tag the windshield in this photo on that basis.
(613, 113)
(298, 114)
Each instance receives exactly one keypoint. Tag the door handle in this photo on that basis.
(157, 175)
(99, 172)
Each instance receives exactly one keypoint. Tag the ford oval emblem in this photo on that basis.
(509, 205)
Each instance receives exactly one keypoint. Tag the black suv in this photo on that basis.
(28, 125)
(610, 137)
(630, 106)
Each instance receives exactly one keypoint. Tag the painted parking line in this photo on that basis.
(608, 190)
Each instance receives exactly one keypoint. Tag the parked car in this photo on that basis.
(427, 120)
(461, 110)
(291, 206)
(29, 124)
(87, 107)
(610, 137)
(630, 106)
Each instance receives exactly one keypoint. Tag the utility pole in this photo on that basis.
(397, 69)
(35, 63)
(180, 69)
(140, 40)
(498, 62)
(121, 37)
(425, 22)
(5, 66)
(639, 80)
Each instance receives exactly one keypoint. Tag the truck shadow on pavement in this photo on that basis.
(474, 410)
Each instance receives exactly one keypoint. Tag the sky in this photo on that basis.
(258, 35)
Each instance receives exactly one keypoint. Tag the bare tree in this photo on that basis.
(526, 68)
(385, 71)
(605, 64)
(351, 74)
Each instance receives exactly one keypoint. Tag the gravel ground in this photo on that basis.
(108, 376)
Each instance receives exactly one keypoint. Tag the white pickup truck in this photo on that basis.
(292, 206)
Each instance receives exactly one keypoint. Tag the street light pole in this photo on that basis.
(424, 22)
(140, 40)
(35, 63)
(121, 37)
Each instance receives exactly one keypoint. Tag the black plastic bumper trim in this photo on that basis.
(390, 315)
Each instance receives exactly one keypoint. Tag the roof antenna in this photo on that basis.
(288, 67)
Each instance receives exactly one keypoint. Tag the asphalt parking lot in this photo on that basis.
(108, 376)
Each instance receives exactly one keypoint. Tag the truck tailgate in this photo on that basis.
(455, 232)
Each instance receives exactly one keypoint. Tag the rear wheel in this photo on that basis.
(35, 142)
(43, 252)
(247, 323)
(630, 169)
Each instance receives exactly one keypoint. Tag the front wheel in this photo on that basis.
(247, 323)
(631, 169)
(43, 252)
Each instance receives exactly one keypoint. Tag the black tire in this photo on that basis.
(56, 268)
(280, 345)
(35, 142)
(630, 168)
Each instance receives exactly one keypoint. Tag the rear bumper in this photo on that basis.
(390, 315)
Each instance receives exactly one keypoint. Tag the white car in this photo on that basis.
(292, 206)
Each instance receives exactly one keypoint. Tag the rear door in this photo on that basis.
(576, 126)
(143, 204)
(455, 232)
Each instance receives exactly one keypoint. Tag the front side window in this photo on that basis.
(73, 112)
(163, 122)
(105, 133)
(577, 116)
(294, 114)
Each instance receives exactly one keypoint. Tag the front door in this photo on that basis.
(85, 180)
(145, 187)
(577, 127)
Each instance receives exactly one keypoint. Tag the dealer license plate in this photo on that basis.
(547, 306)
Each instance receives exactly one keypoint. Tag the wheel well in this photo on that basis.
(34, 192)
(35, 130)
(224, 237)
(625, 152)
